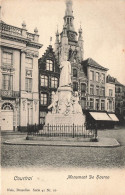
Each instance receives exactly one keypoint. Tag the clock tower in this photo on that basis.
(69, 42)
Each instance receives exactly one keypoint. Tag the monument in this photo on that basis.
(65, 107)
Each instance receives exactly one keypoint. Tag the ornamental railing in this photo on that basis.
(62, 131)
(30, 36)
(12, 30)
(9, 93)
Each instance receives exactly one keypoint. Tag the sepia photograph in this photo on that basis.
(62, 97)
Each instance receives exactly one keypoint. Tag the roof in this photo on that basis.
(117, 82)
(47, 51)
(110, 79)
(92, 63)
(1, 21)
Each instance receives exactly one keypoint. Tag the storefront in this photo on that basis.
(100, 120)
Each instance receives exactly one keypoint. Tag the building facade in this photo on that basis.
(96, 93)
(49, 73)
(120, 100)
(19, 96)
(110, 94)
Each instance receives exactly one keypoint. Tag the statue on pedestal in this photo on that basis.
(65, 75)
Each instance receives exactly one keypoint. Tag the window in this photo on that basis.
(97, 90)
(42, 117)
(67, 20)
(83, 89)
(49, 65)
(7, 106)
(113, 106)
(119, 90)
(102, 104)
(44, 81)
(102, 91)
(97, 104)
(75, 86)
(7, 82)
(74, 73)
(91, 89)
(43, 98)
(29, 63)
(91, 104)
(28, 77)
(91, 75)
(7, 58)
(54, 82)
(28, 84)
(97, 76)
(110, 92)
(110, 105)
(83, 103)
(103, 78)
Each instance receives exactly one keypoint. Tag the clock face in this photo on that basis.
(71, 36)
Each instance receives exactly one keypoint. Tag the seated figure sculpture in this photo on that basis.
(54, 103)
(76, 106)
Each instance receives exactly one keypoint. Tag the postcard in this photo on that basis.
(62, 97)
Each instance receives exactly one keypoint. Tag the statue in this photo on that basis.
(69, 107)
(54, 103)
(65, 75)
(76, 106)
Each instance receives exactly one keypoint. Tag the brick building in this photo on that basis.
(49, 73)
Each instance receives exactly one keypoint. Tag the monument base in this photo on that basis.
(61, 119)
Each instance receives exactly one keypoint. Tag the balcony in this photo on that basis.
(12, 30)
(9, 93)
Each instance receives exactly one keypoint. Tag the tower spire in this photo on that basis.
(68, 11)
(68, 18)
(69, 44)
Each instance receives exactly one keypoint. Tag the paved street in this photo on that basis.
(64, 157)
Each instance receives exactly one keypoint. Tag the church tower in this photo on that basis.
(69, 43)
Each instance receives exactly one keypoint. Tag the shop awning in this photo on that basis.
(100, 116)
(113, 117)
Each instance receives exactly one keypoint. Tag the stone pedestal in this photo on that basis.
(61, 119)
(67, 112)
(64, 93)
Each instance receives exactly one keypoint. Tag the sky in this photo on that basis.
(102, 22)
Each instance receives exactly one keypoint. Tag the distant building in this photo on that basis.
(110, 94)
(49, 73)
(120, 100)
(19, 96)
(96, 93)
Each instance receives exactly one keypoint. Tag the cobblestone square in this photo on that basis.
(65, 157)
